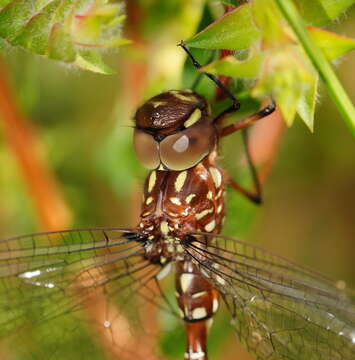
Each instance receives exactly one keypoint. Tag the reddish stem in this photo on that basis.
(50, 207)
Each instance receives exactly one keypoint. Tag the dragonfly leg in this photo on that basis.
(200, 75)
(235, 103)
(256, 194)
(249, 120)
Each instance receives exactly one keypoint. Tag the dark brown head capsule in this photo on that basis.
(174, 131)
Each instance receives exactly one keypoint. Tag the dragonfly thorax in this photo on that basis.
(177, 203)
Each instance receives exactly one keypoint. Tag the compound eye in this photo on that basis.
(146, 148)
(187, 148)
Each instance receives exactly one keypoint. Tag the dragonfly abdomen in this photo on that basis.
(196, 297)
(198, 302)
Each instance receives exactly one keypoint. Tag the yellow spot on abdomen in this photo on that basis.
(215, 305)
(198, 294)
(199, 313)
(185, 281)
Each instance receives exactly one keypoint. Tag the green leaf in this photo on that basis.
(60, 46)
(34, 35)
(66, 30)
(13, 17)
(271, 23)
(230, 66)
(236, 30)
(332, 45)
(322, 12)
(286, 76)
(320, 63)
(229, 2)
(92, 61)
(307, 102)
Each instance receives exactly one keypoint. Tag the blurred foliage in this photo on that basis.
(83, 123)
(70, 31)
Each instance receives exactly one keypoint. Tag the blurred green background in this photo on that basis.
(80, 124)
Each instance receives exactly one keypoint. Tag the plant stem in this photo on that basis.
(332, 83)
(51, 208)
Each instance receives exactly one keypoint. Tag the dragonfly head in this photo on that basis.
(173, 131)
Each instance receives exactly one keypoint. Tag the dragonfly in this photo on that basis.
(51, 282)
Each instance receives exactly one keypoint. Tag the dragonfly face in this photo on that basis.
(174, 131)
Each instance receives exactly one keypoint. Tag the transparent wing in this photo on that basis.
(57, 288)
(279, 310)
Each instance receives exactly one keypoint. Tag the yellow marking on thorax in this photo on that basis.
(190, 197)
(210, 226)
(203, 213)
(164, 228)
(149, 200)
(180, 181)
(216, 176)
(219, 194)
(152, 181)
(175, 200)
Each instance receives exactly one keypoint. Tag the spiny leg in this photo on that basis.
(249, 120)
(235, 103)
(256, 195)
(200, 75)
